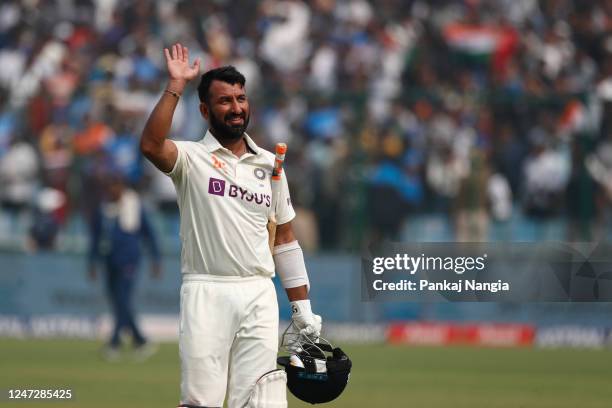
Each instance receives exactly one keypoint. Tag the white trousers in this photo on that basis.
(228, 338)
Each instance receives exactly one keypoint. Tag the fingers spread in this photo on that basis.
(179, 49)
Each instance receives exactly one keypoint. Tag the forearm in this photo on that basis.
(291, 268)
(158, 124)
(298, 293)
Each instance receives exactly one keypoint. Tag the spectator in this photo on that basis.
(471, 203)
(546, 176)
(93, 137)
(124, 152)
(47, 219)
(19, 179)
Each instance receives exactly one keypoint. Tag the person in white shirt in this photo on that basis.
(228, 327)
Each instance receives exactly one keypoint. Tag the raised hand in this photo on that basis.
(177, 61)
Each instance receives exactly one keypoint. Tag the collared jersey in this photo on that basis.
(225, 203)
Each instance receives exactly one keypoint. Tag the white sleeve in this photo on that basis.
(181, 165)
(284, 208)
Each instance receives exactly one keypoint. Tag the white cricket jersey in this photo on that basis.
(224, 203)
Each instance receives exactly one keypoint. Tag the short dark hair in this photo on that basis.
(227, 74)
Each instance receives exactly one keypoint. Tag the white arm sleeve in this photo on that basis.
(289, 262)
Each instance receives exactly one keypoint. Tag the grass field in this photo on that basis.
(383, 376)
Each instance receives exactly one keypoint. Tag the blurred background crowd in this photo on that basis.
(468, 120)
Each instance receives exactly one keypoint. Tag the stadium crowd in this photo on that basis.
(476, 111)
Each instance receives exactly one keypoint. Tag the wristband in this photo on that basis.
(301, 307)
(175, 94)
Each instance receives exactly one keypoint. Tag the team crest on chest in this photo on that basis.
(259, 173)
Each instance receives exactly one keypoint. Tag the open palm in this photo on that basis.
(177, 62)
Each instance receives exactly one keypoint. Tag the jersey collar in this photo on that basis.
(212, 144)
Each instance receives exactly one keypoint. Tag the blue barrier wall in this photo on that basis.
(56, 283)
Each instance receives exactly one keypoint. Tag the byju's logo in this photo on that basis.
(216, 186)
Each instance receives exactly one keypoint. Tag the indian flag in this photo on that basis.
(483, 43)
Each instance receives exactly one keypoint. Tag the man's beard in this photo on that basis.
(227, 132)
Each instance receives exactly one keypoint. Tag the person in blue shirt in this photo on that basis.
(119, 225)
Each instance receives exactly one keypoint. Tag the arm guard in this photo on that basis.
(289, 262)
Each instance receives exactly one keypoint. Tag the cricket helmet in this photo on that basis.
(317, 372)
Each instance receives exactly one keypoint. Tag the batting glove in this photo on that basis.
(307, 322)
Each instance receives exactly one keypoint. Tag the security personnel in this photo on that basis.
(118, 227)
